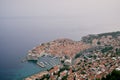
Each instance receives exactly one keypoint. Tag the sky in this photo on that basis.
(93, 10)
(77, 16)
(85, 8)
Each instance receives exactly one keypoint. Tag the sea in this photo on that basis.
(20, 34)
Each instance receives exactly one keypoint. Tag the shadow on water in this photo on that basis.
(32, 61)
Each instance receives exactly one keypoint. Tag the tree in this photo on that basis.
(115, 75)
(98, 42)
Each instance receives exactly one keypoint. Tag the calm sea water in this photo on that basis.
(18, 35)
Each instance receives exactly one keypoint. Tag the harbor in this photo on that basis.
(46, 61)
(31, 67)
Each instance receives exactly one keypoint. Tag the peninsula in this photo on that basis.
(92, 58)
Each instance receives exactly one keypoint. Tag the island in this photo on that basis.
(94, 57)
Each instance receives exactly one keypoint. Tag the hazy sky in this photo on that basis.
(85, 8)
(71, 15)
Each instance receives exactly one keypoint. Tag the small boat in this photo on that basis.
(55, 57)
(52, 63)
(24, 60)
(41, 64)
(46, 63)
